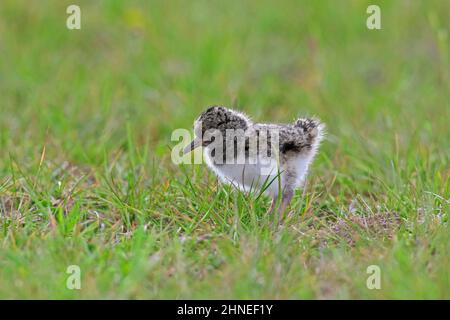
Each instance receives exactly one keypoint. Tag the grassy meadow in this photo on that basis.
(86, 176)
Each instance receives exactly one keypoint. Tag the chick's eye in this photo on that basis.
(208, 140)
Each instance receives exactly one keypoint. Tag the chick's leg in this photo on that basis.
(286, 200)
(273, 204)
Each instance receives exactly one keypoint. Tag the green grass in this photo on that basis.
(86, 176)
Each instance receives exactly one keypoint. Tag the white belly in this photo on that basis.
(250, 177)
(266, 174)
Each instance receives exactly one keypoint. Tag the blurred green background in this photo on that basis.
(85, 171)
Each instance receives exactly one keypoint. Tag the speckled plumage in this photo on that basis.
(277, 164)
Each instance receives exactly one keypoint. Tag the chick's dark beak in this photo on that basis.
(193, 145)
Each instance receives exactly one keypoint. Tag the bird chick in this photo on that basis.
(272, 158)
